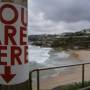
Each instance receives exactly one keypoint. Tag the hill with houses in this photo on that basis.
(68, 40)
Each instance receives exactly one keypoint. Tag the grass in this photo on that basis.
(59, 49)
(74, 86)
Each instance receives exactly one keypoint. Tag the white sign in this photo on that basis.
(13, 44)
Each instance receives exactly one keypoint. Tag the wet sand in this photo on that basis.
(81, 54)
(68, 77)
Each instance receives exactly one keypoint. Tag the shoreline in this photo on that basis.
(81, 54)
(74, 75)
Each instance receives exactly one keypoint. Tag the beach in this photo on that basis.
(81, 54)
(72, 75)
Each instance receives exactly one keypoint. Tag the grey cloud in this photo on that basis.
(58, 16)
(64, 10)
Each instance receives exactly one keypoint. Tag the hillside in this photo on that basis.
(69, 40)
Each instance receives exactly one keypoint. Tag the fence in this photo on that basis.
(44, 69)
(51, 68)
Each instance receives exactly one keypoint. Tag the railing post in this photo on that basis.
(83, 74)
(0, 87)
(38, 74)
(30, 80)
(38, 80)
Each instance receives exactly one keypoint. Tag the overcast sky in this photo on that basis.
(58, 16)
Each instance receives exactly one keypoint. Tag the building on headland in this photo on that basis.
(73, 40)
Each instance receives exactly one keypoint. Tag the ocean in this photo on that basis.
(41, 57)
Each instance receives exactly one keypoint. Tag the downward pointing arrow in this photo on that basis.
(8, 76)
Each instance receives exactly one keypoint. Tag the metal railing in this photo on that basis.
(44, 69)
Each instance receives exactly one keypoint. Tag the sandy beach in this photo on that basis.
(81, 54)
(70, 76)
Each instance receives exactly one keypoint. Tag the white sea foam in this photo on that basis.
(63, 54)
(38, 54)
(47, 57)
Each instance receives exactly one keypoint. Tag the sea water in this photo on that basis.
(42, 57)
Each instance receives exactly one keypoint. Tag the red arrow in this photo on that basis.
(8, 76)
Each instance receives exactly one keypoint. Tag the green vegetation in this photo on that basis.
(59, 49)
(74, 86)
(72, 42)
(75, 40)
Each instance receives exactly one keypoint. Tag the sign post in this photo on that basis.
(14, 71)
